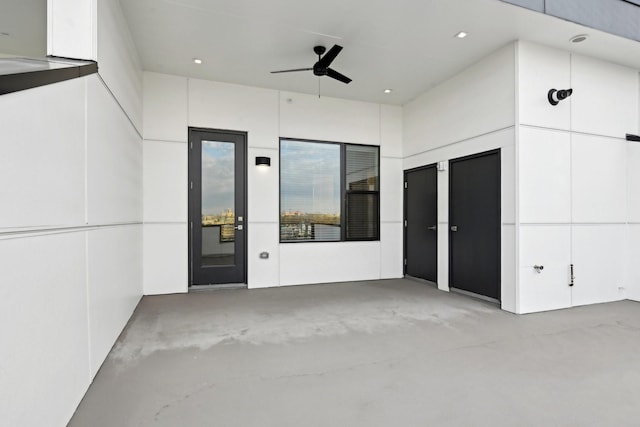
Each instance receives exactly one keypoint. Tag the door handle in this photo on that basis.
(238, 227)
(432, 228)
(454, 228)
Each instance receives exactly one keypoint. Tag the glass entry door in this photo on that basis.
(217, 220)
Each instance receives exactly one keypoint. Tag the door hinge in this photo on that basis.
(572, 277)
(405, 184)
(405, 222)
(191, 145)
(405, 261)
(191, 185)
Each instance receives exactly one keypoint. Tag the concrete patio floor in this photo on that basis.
(379, 353)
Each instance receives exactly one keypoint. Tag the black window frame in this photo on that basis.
(343, 192)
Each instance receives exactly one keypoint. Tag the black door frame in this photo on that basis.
(194, 205)
(404, 215)
(497, 151)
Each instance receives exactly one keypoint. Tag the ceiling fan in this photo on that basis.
(321, 68)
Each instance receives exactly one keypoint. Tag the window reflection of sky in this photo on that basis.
(218, 177)
(310, 177)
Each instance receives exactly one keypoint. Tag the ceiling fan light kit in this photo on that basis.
(322, 66)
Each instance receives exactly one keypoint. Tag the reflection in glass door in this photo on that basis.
(217, 204)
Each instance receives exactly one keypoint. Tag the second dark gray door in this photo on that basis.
(474, 222)
(421, 226)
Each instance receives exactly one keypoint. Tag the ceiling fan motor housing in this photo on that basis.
(317, 69)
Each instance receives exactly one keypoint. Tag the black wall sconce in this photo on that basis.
(263, 161)
(555, 96)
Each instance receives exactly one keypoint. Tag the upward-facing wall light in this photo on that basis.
(555, 96)
(263, 161)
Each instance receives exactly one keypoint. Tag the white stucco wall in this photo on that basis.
(70, 227)
(577, 179)
(172, 104)
(569, 180)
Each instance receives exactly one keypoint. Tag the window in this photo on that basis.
(328, 191)
(362, 192)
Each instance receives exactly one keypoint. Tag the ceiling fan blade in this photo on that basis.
(336, 75)
(328, 57)
(291, 71)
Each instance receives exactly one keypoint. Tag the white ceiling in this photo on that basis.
(406, 45)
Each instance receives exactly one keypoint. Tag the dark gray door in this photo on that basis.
(474, 224)
(421, 223)
(217, 202)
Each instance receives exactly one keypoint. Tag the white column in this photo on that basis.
(72, 28)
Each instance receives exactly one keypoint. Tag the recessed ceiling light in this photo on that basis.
(388, 90)
(579, 38)
(461, 35)
(197, 61)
